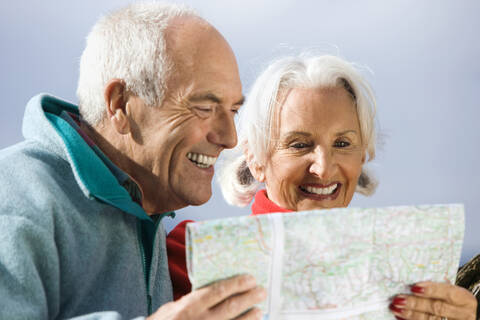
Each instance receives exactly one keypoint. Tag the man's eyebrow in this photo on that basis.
(240, 102)
(205, 96)
(209, 96)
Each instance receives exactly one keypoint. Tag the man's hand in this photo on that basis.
(226, 299)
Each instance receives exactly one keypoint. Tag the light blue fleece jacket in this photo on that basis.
(73, 243)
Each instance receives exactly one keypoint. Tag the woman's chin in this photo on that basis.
(309, 204)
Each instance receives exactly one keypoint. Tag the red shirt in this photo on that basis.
(177, 263)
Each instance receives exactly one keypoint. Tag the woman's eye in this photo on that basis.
(341, 144)
(299, 145)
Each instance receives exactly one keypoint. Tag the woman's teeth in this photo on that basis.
(321, 191)
(201, 160)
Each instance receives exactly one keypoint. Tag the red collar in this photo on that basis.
(262, 204)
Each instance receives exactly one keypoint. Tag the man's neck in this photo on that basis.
(114, 150)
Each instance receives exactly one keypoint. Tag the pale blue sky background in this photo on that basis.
(424, 57)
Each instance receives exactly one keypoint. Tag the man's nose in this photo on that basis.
(223, 132)
(323, 163)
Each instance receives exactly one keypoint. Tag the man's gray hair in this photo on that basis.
(259, 114)
(128, 44)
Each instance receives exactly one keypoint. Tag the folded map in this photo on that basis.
(342, 263)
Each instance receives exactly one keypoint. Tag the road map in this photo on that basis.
(342, 263)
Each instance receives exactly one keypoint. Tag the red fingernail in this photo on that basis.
(398, 318)
(395, 309)
(417, 289)
(399, 301)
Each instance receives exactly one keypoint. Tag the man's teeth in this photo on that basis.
(201, 160)
(322, 191)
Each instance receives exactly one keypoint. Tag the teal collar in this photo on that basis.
(97, 176)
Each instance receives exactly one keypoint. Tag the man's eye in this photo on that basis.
(203, 112)
(341, 144)
(203, 109)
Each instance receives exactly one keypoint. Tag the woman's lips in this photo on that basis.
(321, 192)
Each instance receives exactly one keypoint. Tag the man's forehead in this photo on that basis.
(192, 41)
(184, 37)
(204, 65)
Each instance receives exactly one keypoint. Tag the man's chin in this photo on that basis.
(196, 199)
(199, 202)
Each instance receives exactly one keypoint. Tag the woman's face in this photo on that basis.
(318, 154)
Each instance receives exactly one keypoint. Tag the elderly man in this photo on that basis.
(84, 195)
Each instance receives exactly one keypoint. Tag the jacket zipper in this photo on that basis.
(146, 273)
(144, 264)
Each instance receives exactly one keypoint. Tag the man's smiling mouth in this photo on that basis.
(201, 160)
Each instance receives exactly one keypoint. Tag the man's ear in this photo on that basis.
(257, 170)
(116, 98)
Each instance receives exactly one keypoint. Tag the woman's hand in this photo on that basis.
(435, 300)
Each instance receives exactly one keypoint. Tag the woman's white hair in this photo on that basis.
(127, 44)
(259, 114)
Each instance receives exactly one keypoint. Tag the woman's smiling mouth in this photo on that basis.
(320, 192)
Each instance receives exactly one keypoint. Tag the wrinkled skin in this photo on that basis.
(197, 115)
(434, 300)
(227, 299)
(319, 144)
(151, 145)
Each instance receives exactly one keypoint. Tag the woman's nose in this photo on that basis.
(323, 164)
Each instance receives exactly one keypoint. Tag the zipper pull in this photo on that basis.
(149, 304)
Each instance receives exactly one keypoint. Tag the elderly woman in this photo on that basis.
(306, 132)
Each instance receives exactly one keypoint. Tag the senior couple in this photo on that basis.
(84, 195)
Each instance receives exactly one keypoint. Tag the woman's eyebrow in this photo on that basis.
(345, 132)
(291, 134)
